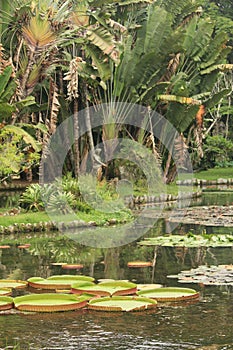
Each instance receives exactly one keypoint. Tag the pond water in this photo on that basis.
(205, 325)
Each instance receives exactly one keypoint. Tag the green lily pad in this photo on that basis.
(119, 303)
(59, 282)
(190, 241)
(148, 286)
(49, 302)
(5, 291)
(6, 303)
(14, 284)
(106, 288)
(208, 275)
(169, 294)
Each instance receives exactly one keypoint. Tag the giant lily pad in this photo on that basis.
(6, 303)
(118, 303)
(72, 266)
(139, 264)
(190, 241)
(58, 282)
(5, 291)
(148, 286)
(169, 294)
(14, 284)
(106, 288)
(49, 302)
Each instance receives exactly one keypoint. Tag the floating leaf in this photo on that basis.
(49, 302)
(106, 288)
(190, 241)
(5, 291)
(72, 266)
(207, 275)
(148, 286)
(58, 282)
(170, 294)
(139, 263)
(15, 284)
(121, 304)
(6, 303)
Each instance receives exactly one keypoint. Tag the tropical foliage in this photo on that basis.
(58, 58)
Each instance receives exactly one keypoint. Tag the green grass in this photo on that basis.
(35, 217)
(30, 217)
(214, 174)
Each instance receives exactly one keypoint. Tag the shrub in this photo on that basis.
(217, 150)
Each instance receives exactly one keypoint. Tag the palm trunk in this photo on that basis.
(88, 124)
(76, 139)
(26, 74)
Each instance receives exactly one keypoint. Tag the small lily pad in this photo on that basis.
(139, 264)
(72, 266)
(208, 275)
(117, 303)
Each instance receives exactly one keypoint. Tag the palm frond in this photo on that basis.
(101, 38)
(38, 34)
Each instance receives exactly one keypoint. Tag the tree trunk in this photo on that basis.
(76, 139)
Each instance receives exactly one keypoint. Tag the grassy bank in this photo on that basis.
(214, 174)
(35, 217)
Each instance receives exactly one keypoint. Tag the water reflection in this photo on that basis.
(204, 325)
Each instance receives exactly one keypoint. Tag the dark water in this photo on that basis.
(206, 322)
(205, 325)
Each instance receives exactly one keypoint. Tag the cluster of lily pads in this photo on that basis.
(69, 292)
(190, 240)
(207, 275)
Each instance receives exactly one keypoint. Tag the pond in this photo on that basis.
(206, 324)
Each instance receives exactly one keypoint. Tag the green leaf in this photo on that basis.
(26, 136)
(6, 110)
(9, 91)
(28, 101)
(215, 99)
(4, 79)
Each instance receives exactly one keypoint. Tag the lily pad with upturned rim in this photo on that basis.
(72, 266)
(50, 302)
(139, 264)
(6, 303)
(14, 284)
(5, 291)
(148, 286)
(106, 288)
(121, 303)
(170, 294)
(59, 281)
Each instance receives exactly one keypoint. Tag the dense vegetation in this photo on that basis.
(57, 58)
